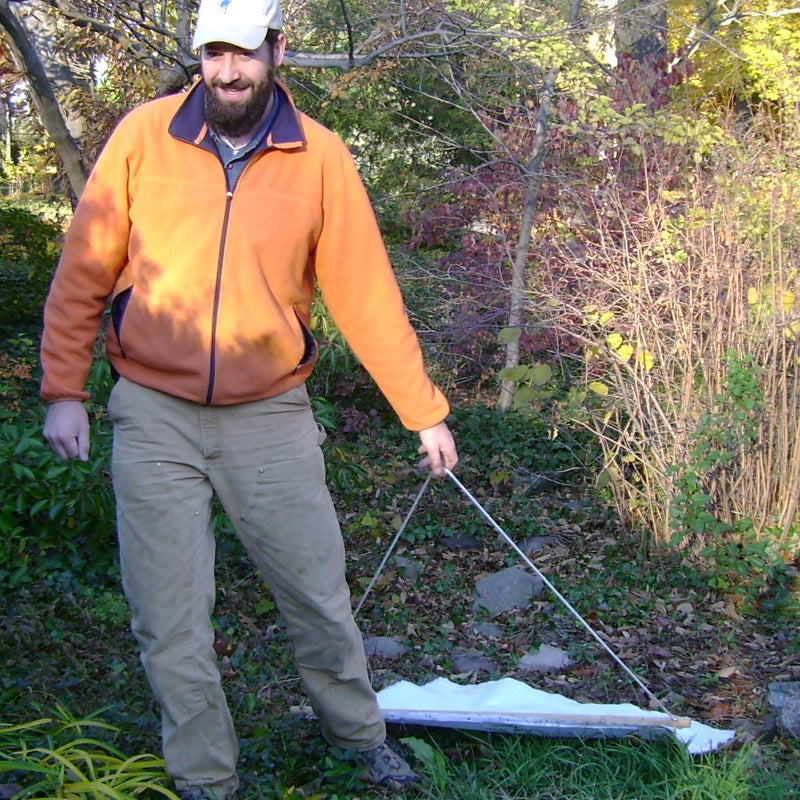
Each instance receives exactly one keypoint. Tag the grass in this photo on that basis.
(53, 756)
(451, 764)
(537, 768)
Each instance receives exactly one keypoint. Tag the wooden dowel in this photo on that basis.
(587, 720)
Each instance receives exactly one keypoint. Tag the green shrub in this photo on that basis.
(741, 562)
(29, 248)
(54, 514)
(19, 386)
(522, 450)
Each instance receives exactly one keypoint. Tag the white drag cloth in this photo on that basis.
(510, 705)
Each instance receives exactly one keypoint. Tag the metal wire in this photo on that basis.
(558, 594)
(596, 636)
(394, 543)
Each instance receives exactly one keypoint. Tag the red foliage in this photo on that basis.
(477, 224)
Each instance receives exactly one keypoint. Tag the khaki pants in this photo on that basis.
(263, 461)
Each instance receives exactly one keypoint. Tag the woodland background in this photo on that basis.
(593, 212)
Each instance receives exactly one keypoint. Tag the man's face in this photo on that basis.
(239, 85)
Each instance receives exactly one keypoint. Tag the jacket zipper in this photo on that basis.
(212, 366)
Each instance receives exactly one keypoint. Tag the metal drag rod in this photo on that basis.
(555, 591)
(394, 543)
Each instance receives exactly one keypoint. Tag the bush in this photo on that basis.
(19, 386)
(29, 245)
(54, 514)
(684, 301)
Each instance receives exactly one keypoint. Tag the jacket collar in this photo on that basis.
(189, 123)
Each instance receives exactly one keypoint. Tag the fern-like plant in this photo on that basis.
(52, 757)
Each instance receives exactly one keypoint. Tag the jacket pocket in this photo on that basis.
(309, 345)
(118, 306)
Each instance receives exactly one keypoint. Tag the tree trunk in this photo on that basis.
(28, 62)
(519, 275)
(6, 122)
(42, 29)
(533, 182)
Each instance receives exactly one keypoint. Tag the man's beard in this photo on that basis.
(233, 119)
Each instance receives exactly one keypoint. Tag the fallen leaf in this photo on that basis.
(685, 609)
(720, 710)
(727, 672)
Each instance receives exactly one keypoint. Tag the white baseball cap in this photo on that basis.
(243, 23)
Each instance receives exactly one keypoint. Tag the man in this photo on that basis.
(207, 220)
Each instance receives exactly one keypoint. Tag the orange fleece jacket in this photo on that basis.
(210, 289)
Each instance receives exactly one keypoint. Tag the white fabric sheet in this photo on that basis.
(510, 705)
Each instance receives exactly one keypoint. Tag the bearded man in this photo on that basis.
(208, 220)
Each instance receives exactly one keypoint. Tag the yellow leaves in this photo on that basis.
(771, 299)
(613, 342)
(598, 387)
(670, 196)
(606, 318)
(625, 351)
(792, 330)
(591, 352)
(645, 360)
(594, 317)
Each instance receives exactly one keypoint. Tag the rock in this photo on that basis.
(407, 568)
(784, 700)
(385, 647)
(472, 661)
(461, 542)
(767, 729)
(762, 731)
(488, 629)
(512, 588)
(535, 543)
(546, 659)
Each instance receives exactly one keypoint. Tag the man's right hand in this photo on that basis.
(66, 428)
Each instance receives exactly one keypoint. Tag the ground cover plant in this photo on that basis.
(76, 713)
(65, 642)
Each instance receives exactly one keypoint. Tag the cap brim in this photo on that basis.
(248, 37)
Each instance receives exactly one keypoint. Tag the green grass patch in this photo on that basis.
(540, 768)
